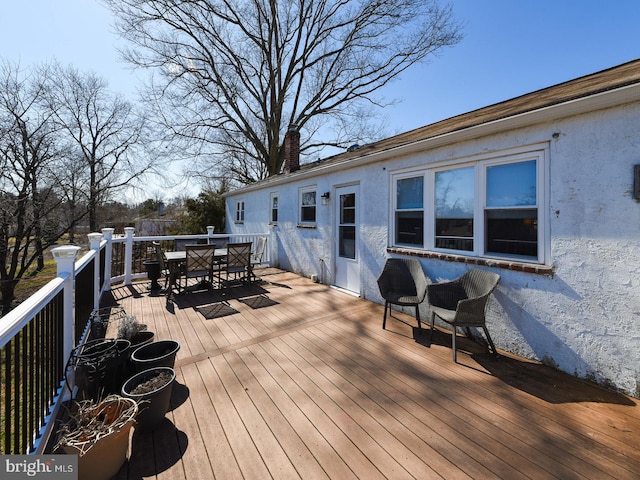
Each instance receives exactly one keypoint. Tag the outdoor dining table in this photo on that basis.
(179, 257)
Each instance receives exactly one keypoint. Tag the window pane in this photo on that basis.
(348, 208)
(308, 198)
(347, 244)
(274, 209)
(512, 185)
(454, 205)
(409, 193)
(513, 231)
(308, 214)
(410, 228)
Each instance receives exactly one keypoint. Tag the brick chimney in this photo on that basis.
(292, 149)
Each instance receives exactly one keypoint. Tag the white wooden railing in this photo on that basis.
(72, 315)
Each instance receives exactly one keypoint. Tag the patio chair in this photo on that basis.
(402, 282)
(199, 264)
(238, 264)
(462, 303)
(256, 257)
(164, 271)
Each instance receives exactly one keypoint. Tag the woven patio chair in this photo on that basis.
(402, 282)
(462, 303)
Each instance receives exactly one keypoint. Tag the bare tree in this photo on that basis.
(28, 198)
(235, 74)
(104, 131)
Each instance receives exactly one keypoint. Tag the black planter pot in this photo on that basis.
(144, 337)
(153, 274)
(141, 338)
(156, 354)
(154, 403)
(100, 367)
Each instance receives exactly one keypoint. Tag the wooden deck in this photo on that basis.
(297, 380)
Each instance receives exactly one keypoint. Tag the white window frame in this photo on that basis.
(239, 213)
(301, 192)
(395, 210)
(539, 153)
(274, 196)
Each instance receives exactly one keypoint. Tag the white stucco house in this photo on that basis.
(543, 189)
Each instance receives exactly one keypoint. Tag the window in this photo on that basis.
(239, 211)
(490, 207)
(274, 208)
(511, 213)
(308, 205)
(410, 211)
(454, 205)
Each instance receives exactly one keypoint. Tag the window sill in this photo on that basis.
(311, 226)
(485, 262)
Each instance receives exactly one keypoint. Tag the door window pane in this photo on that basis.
(454, 206)
(347, 241)
(348, 208)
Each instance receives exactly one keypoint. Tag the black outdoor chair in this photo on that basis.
(238, 263)
(462, 302)
(402, 282)
(199, 265)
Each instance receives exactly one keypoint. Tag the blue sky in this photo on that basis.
(511, 47)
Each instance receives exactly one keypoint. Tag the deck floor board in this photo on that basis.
(292, 379)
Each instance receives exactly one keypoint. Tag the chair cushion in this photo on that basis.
(401, 298)
(445, 314)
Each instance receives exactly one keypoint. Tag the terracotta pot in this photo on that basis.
(104, 458)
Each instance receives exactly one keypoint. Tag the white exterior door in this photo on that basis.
(347, 255)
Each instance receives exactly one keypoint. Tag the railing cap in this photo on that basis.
(65, 251)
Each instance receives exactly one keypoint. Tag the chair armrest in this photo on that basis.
(471, 311)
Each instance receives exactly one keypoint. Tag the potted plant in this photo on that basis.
(151, 389)
(98, 367)
(157, 354)
(129, 328)
(98, 432)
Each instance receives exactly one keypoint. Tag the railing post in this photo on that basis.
(65, 257)
(108, 256)
(128, 254)
(210, 230)
(94, 242)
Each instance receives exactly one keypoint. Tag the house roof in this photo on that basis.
(589, 85)
(610, 79)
